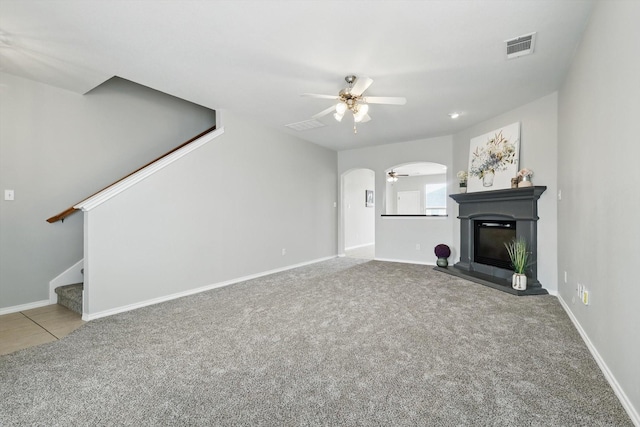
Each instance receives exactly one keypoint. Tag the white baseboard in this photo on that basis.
(23, 307)
(624, 400)
(404, 261)
(364, 245)
(122, 309)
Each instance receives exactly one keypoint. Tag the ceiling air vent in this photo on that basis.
(521, 46)
(305, 125)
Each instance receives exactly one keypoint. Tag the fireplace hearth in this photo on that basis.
(488, 219)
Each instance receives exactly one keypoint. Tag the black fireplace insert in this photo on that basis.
(489, 242)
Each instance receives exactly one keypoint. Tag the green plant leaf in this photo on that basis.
(518, 254)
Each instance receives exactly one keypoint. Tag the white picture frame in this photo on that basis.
(369, 200)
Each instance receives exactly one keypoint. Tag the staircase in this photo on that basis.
(70, 296)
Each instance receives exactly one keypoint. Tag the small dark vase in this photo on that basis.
(442, 262)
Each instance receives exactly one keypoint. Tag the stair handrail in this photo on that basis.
(84, 202)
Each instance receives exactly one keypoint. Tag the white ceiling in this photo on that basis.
(256, 57)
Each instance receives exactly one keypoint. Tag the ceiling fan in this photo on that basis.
(351, 99)
(392, 176)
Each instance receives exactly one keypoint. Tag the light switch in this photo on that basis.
(8, 195)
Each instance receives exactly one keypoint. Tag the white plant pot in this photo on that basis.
(519, 282)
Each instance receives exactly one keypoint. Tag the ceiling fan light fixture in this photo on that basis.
(359, 112)
(351, 99)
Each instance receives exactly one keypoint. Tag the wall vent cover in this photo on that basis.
(305, 125)
(521, 46)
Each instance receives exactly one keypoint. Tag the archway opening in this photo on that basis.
(358, 208)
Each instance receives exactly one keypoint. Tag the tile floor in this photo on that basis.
(36, 326)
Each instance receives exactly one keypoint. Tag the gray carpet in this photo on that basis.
(344, 342)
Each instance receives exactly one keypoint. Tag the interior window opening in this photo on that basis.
(416, 189)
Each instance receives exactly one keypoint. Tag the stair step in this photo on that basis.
(70, 296)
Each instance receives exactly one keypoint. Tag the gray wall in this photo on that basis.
(359, 219)
(58, 147)
(223, 212)
(538, 151)
(397, 237)
(599, 231)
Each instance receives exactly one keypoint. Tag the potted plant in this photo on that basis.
(442, 251)
(519, 256)
(462, 179)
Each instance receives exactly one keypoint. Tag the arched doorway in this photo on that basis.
(358, 213)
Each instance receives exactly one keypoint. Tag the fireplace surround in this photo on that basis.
(490, 211)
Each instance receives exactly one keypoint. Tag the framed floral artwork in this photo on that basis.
(493, 159)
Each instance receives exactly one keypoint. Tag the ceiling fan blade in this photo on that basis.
(315, 95)
(361, 84)
(324, 112)
(393, 100)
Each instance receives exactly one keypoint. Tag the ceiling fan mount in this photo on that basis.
(351, 99)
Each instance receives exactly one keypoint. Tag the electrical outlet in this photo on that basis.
(284, 251)
(9, 195)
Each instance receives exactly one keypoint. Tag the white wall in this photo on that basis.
(223, 212)
(359, 220)
(538, 151)
(397, 237)
(57, 148)
(599, 232)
